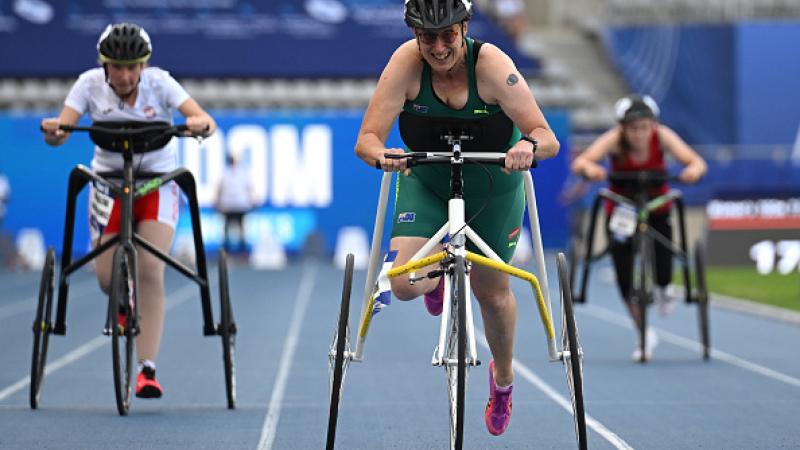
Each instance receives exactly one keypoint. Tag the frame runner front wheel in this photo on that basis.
(339, 356)
(227, 330)
(570, 343)
(122, 325)
(42, 327)
(456, 355)
(641, 289)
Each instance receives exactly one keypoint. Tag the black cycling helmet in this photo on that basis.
(124, 43)
(437, 13)
(635, 107)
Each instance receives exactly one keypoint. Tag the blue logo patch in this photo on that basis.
(420, 108)
(406, 217)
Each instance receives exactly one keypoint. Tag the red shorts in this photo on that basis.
(104, 211)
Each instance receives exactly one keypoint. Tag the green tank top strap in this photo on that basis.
(428, 103)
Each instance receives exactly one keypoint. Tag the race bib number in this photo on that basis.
(623, 221)
(101, 204)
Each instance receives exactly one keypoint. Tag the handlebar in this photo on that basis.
(173, 130)
(425, 158)
(143, 136)
(643, 178)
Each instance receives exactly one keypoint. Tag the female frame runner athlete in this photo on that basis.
(126, 89)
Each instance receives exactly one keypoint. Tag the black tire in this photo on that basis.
(227, 330)
(339, 349)
(642, 303)
(570, 342)
(122, 291)
(459, 300)
(640, 291)
(42, 327)
(702, 299)
(572, 259)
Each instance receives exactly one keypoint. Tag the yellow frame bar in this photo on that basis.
(418, 264)
(544, 312)
(397, 271)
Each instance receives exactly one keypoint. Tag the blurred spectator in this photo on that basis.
(234, 200)
(509, 14)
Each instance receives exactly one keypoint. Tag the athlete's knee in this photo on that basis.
(404, 291)
(103, 282)
(103, 276)
(151, 269)
(499, 297)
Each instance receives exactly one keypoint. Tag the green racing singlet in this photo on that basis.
(497, 198)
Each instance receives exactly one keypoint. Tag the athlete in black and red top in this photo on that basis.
(639, 143)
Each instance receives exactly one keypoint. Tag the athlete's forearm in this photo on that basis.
(548, 145)
(370, 148)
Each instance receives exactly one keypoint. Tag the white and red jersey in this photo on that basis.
(158, 98)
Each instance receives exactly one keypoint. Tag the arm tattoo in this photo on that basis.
(512, 79)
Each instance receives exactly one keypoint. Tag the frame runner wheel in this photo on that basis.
(339, 356)
(42, 327)
(122, 323)
(455, 363)
(572, 261)
(702, 298)
(571, 344)
(227, 330)
(642, 289)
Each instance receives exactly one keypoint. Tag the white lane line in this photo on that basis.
(756, 309)
(179, 296)
(30, 303)
(276, 400)
(58, 364)
(689, 344)
(562, 401)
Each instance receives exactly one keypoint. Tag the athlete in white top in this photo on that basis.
(124, 89)
(159, 95)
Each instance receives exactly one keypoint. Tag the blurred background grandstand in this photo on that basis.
(725, 72)
(566, 37)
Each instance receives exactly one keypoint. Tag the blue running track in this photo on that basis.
(746, 397)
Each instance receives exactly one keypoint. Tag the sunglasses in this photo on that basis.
(448, 36)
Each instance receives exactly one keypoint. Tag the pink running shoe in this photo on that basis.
(498, 410)
(435, 298)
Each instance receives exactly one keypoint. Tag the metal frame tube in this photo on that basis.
(374, 256)
(536, 238)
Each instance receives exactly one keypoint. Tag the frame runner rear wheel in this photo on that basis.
(227, 330)
(42, 327)
(702, 298)
(339, 356)
(570, 342)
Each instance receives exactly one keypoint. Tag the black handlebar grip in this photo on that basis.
(60, 127)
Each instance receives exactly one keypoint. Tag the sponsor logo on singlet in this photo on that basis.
(149, 112)
(406, 217)
(422, 109)
(514, 233)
